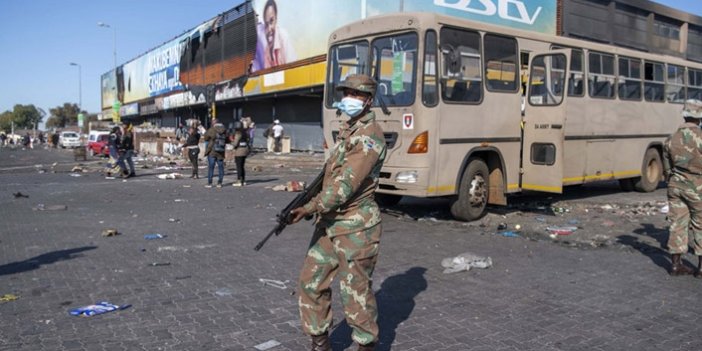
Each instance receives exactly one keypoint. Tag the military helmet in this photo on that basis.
(692, 109)
(359, 82)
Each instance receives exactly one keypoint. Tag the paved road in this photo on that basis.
(537, 296)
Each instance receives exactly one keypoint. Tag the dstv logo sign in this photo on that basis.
(492, 7)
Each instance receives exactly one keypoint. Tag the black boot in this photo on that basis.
(698, 274)
(679, 267)
(321, 342)
(367, 347)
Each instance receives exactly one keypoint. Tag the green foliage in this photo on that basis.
(62, 116)
(23, 116)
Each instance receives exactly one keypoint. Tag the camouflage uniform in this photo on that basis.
(347, 233)
(682, 160)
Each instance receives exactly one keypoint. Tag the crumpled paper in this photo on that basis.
(464, 262)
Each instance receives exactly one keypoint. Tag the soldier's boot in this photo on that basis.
(679, 267)
(698, 274)
(321, 342)
(367, 347)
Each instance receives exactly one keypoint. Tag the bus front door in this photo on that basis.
(543, 122)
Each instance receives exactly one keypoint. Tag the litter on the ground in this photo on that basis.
(280, 187)
(223, 292)
(98, 308)
(561, 230)
(75, 175)
(110, 232)
(267, 345)
(19, 194)
(464, 262)
(42, 207)
(159, 264)
(8, 298)
(274, 283)
(665, 209)
(509, 234)
(154, 236)
(170, 176)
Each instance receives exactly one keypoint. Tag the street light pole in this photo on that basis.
(80, 88)
(114, 40)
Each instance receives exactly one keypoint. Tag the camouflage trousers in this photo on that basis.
(685, 214)
(353, 257)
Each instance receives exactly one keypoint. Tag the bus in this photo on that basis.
(475, 112)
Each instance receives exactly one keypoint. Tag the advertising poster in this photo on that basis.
(292, 30)
(108, 87)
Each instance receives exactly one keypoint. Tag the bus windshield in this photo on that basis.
(393, 63)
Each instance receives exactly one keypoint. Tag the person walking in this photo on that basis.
(278, 132)
(682, 163)
(217, 139)
(240, 140)
(114, 144)
(128, 147)
(193, 147)
(348, 229)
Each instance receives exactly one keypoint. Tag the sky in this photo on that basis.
(40, 38)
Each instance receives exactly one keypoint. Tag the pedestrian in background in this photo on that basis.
(181, 132)
(128, 147)
(348, 229)
(192, 144)
(682, 162)
(217, 139)
(278, 132)
(240, 140)
(114, 144)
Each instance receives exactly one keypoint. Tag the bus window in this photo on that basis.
(395, 59)
(675, 84)
(600, 77)
(654, 83)
(629, 79)
(576, 80)
(694, 84)
(461, 74)
(546, 80)
(501, 63)
(345, 59)
(430, 91)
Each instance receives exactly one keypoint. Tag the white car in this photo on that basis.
(69, 139)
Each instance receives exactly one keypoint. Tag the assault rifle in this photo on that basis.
(301, 199)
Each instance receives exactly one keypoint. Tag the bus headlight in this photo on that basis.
(406, 177)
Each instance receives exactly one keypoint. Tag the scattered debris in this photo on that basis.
(223, 292)
(170, 176)
(19, 194)
(99, 308)
(180, 200)
(280, 187)
(42, 207)
(509, 234)
(159, 264)
(665, 209)
(502, 226)
(75, 175)
(77, 169)
(154, 236)
(274, 283)
(110, 232)
(561, 230)
(257, 168)
(8, 298)
(464, 262)
(174, 220)
(267, 345)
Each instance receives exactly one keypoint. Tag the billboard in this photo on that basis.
(108, 88)
(283, 36)
(154, 73)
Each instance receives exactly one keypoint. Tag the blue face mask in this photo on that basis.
(351, 106)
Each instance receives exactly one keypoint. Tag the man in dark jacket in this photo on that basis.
(216, 138)
(128, 147)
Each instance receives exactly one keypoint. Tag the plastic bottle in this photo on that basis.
(154, 236)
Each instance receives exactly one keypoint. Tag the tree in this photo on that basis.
(23, 116)
(61, 116)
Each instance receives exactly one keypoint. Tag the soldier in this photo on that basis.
(348, 229)
(682, 161)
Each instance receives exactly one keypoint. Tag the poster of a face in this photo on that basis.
(291, 30)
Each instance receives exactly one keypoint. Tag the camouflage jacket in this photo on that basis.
(682, 157)
(346, 203)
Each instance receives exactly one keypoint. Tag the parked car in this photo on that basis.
(97, 143)
(69, 139)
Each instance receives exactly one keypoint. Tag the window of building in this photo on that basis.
(694, 84)
(629, 79)
(665, 29)
(654, 82)
(461, 72)
(600, 79)
(675, 84)
(501, 63)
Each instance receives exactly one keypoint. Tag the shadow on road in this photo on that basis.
(44, 259)
(656, 254)
(395, 304)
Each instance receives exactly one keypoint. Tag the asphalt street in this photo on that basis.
(200, 287)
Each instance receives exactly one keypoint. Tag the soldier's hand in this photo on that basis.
(297, 215)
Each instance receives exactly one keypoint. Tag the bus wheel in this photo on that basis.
(651, 172)
(472, 193)
(387, 200)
